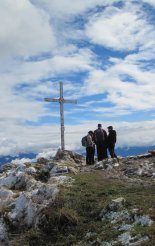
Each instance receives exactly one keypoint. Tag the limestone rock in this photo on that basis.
(5, 167)
(127, 239)
(10, 180)
(99, 165)
(30, 170)
(116, 204)
(107, 164)
(27, 207)
(67, 155)
(107, 244)
(125, 227)
(124, 221)
(115, 217)
(56, 170)
(132, 172)
(24, 212)
(61, 180)
(73, 170)
(5, 193)
(143, 220)
(6, 198)
(3, 235)
(42, 160)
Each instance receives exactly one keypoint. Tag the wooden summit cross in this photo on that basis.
(61, 100)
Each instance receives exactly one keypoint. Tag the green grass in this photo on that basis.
(76, 211)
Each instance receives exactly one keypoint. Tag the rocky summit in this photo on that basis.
(63, 201)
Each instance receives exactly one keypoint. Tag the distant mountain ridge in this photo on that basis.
(124, 151)
(135, 150)
(8, 158)
(129, 151)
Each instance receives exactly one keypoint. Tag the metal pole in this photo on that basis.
(61, 101)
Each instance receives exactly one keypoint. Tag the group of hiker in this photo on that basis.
(104, 142)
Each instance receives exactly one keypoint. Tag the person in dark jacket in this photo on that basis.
(100, 139)
(112, 138)
(90, 149)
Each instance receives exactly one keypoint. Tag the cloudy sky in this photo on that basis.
(103, 51)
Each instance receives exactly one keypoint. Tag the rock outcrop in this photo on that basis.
(123, 221)
(27, 190)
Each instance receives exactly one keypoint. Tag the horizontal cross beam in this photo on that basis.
(60, 100)
(51, 100)
(70, 101)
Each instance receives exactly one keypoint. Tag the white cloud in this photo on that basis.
(119, 29)
(25, 139)
(111, 111)
(66, 8)
(25, 30)
(27, 75)
(46, 139)
(151, 2)
(22, 99)
(121, 92)
(47, 153)
(20, 162)
(33, 71)
(128, 82)
(64, 16)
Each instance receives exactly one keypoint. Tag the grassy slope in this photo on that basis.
(76, 211)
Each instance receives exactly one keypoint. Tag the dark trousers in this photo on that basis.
(90, 151)
(111, 148)
(101, 150)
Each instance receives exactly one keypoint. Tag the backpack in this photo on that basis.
(84, 141)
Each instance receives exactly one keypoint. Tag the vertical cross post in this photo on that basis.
(62, 117)
(61, 101)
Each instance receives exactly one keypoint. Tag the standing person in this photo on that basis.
(100, 138)
(112, 137)
(90, 149)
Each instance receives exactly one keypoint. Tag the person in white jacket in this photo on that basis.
(90, 149)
